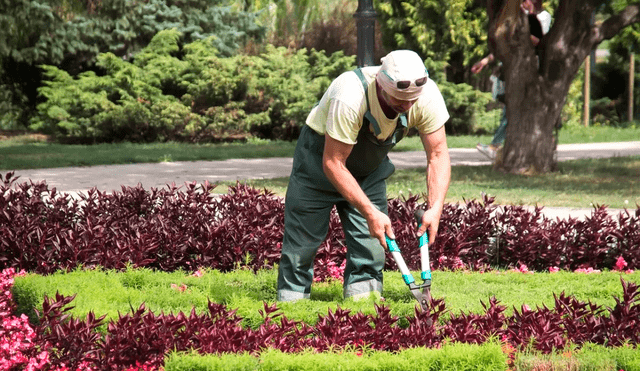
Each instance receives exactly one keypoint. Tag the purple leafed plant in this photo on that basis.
(189, 227)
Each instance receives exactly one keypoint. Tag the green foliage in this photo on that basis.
(612, 78)
(189, 93)
(198, 362)
(62, 34)
(604, 113)
(449, 357)
(573, 108)
(286, 85)
(453, 30)
(455, 356)
(628, 37)
(466, 105)
(111, 292)
(588, 357)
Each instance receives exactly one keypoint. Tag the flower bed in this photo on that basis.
(145, 338)
(42, 232)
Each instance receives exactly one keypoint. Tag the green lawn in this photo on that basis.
(613, 182)
(582, 184)
(25, 152)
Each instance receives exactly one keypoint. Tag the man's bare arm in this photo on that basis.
(438, 178)
(334, 165)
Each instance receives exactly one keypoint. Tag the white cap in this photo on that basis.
(401, 65)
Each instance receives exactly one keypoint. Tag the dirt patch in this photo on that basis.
(25, 135)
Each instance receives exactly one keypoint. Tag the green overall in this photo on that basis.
(310, 198)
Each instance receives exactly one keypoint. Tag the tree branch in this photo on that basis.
(610, 27)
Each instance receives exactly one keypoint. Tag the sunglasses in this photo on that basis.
(404, 84)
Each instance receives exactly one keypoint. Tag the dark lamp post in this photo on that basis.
(366, 24)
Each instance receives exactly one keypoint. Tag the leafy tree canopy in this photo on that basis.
(451, 30)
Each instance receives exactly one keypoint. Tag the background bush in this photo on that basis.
(186, 93)
(71, 34)
(192, 93)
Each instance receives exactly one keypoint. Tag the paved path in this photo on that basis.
(157, 175)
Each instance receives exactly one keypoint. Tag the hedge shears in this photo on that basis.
(421, 292)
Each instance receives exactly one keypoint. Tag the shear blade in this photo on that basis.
(421, 298)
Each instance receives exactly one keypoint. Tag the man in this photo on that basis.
(341, 159)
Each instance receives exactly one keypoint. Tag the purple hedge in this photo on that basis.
(44, 231)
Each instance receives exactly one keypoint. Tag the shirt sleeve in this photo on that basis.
(545, 21)
(343, 123)
(430, 112)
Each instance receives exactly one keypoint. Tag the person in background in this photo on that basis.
(341, 160)
(539, 25)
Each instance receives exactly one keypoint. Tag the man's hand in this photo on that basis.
(379, 226)
(430, 223)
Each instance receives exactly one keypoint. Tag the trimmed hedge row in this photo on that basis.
(144, 337)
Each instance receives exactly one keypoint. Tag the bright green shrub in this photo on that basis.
(198, 362)
(189, 93)
(71, 36)
(573, 109)
(287, 84)
(465, 104)
(588, 357)
(456, 356)
(626, 358)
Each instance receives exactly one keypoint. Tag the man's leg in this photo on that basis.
(365, 255)
(306, 223)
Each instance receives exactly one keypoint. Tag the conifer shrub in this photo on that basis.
(191, 92)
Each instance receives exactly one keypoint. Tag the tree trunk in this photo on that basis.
(538, 78)
(532, 113)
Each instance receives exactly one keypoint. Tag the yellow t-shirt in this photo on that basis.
(341, 110)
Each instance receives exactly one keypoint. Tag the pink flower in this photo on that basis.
(335, 271)
(620, 264)
(525, 269)
(522, 269)
(587, 270)
(198, 273)
(16, 335)
(181, 288)
(554, 269)
(457, 263)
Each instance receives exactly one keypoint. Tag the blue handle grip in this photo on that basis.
(392, 245)
(424, 239)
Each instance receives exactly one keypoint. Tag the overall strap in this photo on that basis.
(368, 115)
